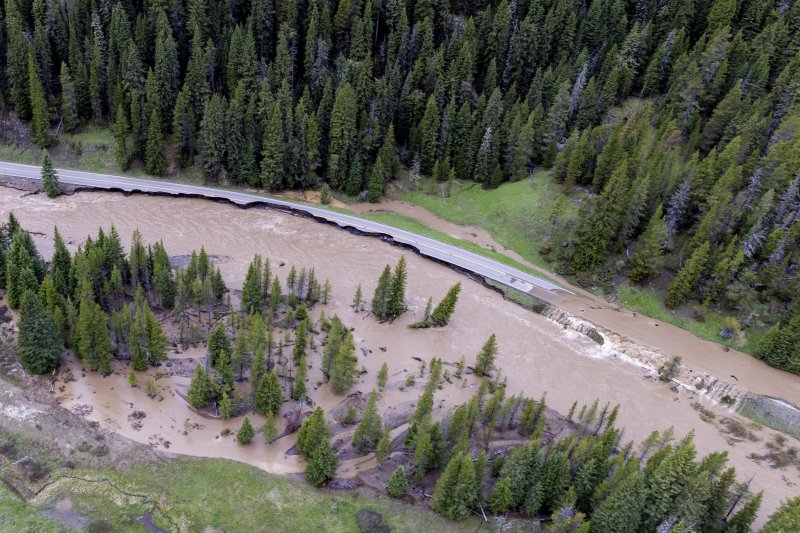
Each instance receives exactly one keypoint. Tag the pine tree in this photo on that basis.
(785, 519)
(321, 464)
(246, 432)
(299, 388)
(252, 291)
(647, 259)
(442, 313)
(154, 159)
(60, 266)
(39, 108)
(69, 102)
(502, 498)
(370, 429)
(688, 276)
(744, 518)
(380, 300)
(396, 298)
(300, 341)
(49, 177)
(199, 388)
(427, 134)
(397, 486)
(39, 341)
(313, 432)
(273, 150)
(455, 490)
(344, 373)
(622, 509)
(211, 143)
(121, 130)
(218, 342)
(270, 431)
(484, 363)
(268, 396)
(384, 449)
(225, 406)
(341, 132)
(94, 345)
(383, 375)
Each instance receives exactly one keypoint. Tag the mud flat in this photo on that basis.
(536, 354)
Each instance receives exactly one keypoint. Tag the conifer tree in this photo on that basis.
(273, 150)
(252, 291)
(94, 345)
(39, 341)
(380, 300)
(39, 109)
(647, 258)
(688, 276)
(269, 397)
(622, 509)
(225, 406)
(442, 313)
(344, 373)
(397, 487)
(299, 388)
(384, 449)
(455, 489)
(120, 129)
(154, 158)
(211, 143)
(49, 177)
(313, 432)
(427, 134)
(246, 432)
(69, 102)
(370, 429)
(342, 129)
(270, 431)
(60, 266)
(502, 498)
(321, 464)
(199, 388)
(396, 298)
(744, 517)
(484, 363)
(786, 518)
(218, 342)
(383, 375)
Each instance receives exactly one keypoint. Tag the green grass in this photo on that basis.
(230, 496)
(648, 302)
(515, 214)
(17, 515)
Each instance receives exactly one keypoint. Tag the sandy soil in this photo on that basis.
(536, 354)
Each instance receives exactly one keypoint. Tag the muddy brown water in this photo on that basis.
(536, 354)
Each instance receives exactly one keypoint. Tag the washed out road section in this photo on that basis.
(426, 246)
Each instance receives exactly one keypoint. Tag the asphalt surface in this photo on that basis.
(426, 246)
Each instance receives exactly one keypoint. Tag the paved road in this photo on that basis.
(447, 253)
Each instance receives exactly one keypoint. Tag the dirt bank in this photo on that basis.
(536, 354)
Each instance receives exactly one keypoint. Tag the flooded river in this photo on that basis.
(536, 354)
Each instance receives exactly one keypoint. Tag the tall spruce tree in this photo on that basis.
(39, 341)
(49, 177)
(370, 430)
